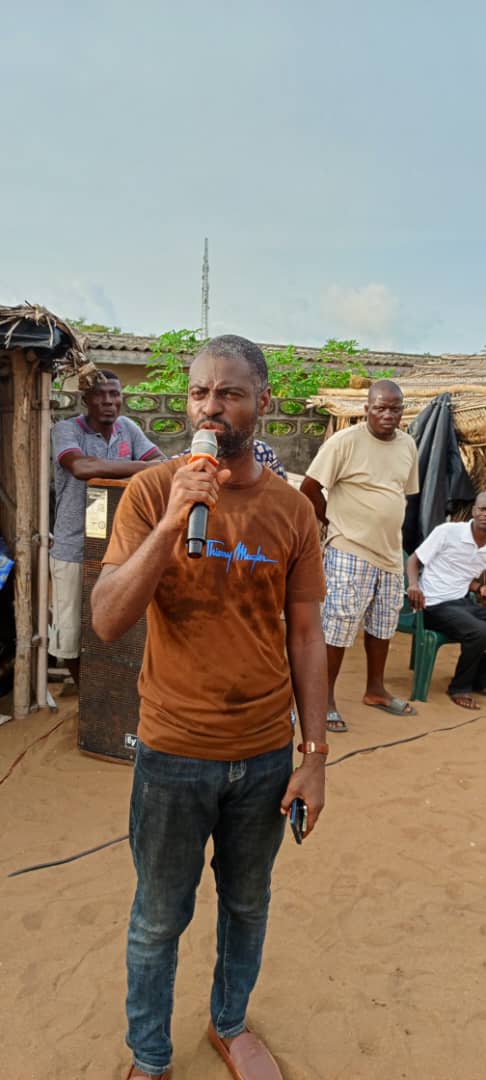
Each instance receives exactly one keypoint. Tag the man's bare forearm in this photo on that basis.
(103, 469)
(307, 658)
(313, 490)
(308, 667)
(122, 593)
(414, 567)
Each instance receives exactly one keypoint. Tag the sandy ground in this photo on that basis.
(375, 963)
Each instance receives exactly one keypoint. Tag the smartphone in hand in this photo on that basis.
(298, 819)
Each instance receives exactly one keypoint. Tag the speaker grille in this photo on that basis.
(108, 698)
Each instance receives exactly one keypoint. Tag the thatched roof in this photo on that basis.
(46, 336)
(464, 378)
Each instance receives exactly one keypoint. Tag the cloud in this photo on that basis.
(85, 299)
(71, 299)
(370, 313)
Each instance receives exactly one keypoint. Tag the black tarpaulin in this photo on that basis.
(48, 345)
(443, 478)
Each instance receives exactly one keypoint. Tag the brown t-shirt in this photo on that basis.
(215, 680)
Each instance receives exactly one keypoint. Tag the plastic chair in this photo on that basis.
(407, 621)
(408, 616)
(425, 644)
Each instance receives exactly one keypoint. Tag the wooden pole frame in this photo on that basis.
(24, 367)
(43, 550)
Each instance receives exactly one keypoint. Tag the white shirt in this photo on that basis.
(451, 559)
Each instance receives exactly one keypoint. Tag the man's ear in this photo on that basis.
(264, 399)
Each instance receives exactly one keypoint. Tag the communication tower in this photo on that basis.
(205, 293)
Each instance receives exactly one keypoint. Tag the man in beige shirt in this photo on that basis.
(358, 484)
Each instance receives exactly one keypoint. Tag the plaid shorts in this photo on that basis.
(356, 592)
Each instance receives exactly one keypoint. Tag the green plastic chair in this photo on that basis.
(425, 644)
(408, 616)
(407, 623)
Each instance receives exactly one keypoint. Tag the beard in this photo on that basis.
(232, 443)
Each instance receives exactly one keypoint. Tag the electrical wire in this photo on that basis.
(407, 739)
(337, 761)
(27, 748)
(69, 858)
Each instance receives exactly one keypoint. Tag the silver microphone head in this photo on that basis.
(204, 442)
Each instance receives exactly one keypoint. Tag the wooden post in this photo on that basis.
(23, 372)
(43, 553)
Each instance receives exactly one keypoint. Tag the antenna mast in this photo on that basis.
(205, 293)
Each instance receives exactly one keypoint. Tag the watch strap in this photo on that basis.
(310, 747)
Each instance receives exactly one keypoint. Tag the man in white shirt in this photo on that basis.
(442, 573)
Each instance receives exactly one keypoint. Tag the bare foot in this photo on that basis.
(395, 706)
(335, 722)
(466, 701)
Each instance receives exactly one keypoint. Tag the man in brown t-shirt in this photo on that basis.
(220, 667)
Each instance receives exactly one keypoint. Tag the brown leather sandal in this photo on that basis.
(246, 1056)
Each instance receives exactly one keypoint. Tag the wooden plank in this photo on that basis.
(23, 373)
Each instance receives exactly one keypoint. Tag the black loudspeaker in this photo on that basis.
(108, 698)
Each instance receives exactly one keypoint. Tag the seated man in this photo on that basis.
(450, 562)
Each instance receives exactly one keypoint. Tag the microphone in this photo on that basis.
(204, 445)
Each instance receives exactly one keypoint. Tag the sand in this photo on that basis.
(375, 964)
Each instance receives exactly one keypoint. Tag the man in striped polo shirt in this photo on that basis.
(99, 444)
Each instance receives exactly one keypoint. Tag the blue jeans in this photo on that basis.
(177, 804)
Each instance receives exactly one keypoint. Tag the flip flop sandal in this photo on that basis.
(335, 722)
(246, 1057)
(396, 707)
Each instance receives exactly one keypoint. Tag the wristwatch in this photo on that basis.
(310, 747)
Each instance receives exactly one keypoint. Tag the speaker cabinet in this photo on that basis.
(108, 698)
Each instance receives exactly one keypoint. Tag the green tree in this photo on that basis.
(290, 376)
(92, 328)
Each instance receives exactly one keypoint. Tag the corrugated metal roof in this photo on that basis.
(119, 343)
(132, 348)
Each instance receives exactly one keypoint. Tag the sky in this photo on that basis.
(332, 151)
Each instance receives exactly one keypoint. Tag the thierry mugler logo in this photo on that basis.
(240, 553)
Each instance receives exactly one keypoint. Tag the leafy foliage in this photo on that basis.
(168, 362)
(290, 376)
(177, 341)
(93, 328)
(336, 347)
(293, 377)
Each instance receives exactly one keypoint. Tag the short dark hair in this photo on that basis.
(240, 348)
(107, 374)
(100, 376)
(384, 384)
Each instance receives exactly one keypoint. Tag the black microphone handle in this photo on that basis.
(197, 524)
